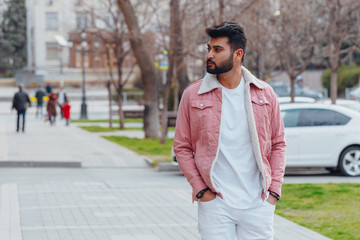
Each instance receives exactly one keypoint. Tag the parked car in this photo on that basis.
(355, 94)
(283, 90)
(322, 135)
(354, 105)
(285, 100)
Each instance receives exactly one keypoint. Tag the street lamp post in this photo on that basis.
(83, 113)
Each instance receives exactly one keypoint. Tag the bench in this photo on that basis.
(171, 115)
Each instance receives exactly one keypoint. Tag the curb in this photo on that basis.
(162, 166)
(167, 167)
(40, 164)
(149, 161)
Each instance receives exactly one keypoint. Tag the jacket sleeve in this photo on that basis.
(28, 100)
(183, 147)
(278, 145)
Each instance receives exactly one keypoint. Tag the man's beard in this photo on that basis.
(224, 66)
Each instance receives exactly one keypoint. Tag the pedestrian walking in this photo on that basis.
(229, 143)
(48, 89)
(66, 111)
(40, 93)
(61, 97)
(20, 103)
(51, 108)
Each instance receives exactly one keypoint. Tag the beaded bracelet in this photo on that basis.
(274, 195)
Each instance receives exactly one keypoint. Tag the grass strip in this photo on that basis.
(149, 147)
(107, 129)
(332, 210)
(98, 129)
(127, 120)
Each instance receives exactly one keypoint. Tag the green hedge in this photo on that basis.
(348, 77)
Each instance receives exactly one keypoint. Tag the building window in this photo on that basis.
(109, 21)
(52, 22)
(82, 20)
(52, 52)
(79, 58)
(49, 2)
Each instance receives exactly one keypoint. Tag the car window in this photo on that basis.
(290, 117)
(321, 117)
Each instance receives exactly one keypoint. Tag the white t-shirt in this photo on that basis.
(236, 174)
(61, 97)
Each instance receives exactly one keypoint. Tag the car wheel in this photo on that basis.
(349, 162)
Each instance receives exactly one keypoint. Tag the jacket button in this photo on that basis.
(261, 101)
(201, 105)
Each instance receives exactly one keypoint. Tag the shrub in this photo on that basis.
(348, 77)
(8, 75)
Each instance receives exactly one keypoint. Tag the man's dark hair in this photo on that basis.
(234, 32)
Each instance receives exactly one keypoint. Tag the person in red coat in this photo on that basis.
(66, 112)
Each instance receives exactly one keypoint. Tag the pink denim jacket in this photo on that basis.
(197, 132)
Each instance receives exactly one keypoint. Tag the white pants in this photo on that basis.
(218, 221)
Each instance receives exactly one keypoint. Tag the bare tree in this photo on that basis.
(177, 69)
(148, 74)
(294, 42)
(108, 87)
(259, 51)
(109, 28)
(341, 35)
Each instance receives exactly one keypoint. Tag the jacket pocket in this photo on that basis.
(201, 104)
(262, 113)
(260, 101)
(201, 115)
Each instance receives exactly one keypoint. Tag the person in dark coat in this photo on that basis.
(51, 108)
(20, 101)
(48, 89)
(40, 93)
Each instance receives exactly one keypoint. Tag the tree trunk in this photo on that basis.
(176, 93)
(182, 77)
(175, 31)
(176, 51)
(119, 88)
(292, 89)
(120, 110)
(166, 93)
(333, 86)
(221, 10)
(108, 86)
(148, 75)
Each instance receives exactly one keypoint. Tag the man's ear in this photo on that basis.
(238, 55)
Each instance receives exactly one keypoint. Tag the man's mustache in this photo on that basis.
(210, 61)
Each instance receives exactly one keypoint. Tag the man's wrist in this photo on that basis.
(275, 195)
(201, 193)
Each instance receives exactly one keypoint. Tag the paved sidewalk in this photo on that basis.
(111, 195)
(59, 145)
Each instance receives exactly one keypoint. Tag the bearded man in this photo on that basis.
(229, 143)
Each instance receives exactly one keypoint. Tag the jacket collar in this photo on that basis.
(210, 81)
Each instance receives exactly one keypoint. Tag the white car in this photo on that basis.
(285, 100)
(321, 135)
(355, 94)
(354, 105)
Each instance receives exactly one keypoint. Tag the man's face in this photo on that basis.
(219, 57)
